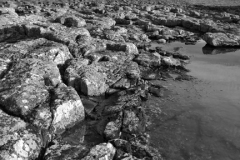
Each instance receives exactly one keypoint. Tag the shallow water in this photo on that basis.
(201, 120)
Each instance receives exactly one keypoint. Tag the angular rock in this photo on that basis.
(123, 83)
(131, 16)
(17, 140)
(103, 22)
(70, 145)
(222, 39)
(39, 49)
(25, 86)
(129, 48)
(62, 34)
(148, 59)
(137, 151)
(169, 61)
(112, 130)
(123, 21)
(67, 108)
(133, 71)
(71, 21)
(86, 79)
(103, 151)
(114, 36)
(132, 123)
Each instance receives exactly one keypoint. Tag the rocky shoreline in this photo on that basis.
(73, 78)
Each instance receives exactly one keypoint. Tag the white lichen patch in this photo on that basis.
(68, 113)
(26, 107)
(24, 101)
(18, 148)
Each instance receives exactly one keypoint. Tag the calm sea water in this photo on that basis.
(201, 118)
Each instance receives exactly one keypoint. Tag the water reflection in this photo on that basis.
(207, 49)
(201, 119)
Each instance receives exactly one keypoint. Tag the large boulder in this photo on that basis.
(39, 49)
(222, 39)
(67, 108)
(17, 139)
(62, 34)
(86, 78)
(24, 88)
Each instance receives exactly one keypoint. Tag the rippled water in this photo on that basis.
(201, 118)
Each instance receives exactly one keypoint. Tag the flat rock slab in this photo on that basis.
(40, 48)
(26, 85)
(222, 39)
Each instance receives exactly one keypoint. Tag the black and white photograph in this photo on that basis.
(119, 79)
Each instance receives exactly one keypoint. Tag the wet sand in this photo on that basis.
(200, 119)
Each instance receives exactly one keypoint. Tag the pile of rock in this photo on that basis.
(70, 72)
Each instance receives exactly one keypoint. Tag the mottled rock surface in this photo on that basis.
(104, 151)
(18, 140)
(74, 76)
(67, 108)
(222, 39)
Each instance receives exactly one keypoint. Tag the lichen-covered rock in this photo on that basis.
(103, 22)
(148, 59)
(70, 145)
(113, 36)
(39, 49)
(8, 16)
(137, 151)
(50, 51)
(67, 108)
(129, 48)
(131, 16)
(17, 140)
(222, 39)
(170, 61)
(133, 71)
(25, 86)
(112, 130)
(122, 83)
(86, 79)
(71, 21)
(70, 74)
(131, 122)
(103, 151)
(91, 82)
(62, 34)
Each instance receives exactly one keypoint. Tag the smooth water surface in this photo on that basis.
(201, 121)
